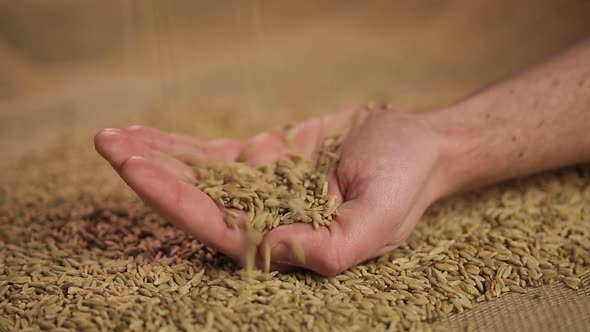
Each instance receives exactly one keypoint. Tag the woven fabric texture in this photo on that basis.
(548, 308)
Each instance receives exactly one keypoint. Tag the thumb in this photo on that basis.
(300, 245)
(348, 240)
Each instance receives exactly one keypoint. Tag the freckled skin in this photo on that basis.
(394, 164)
(545, 124)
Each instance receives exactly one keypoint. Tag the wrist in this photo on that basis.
(455, 171)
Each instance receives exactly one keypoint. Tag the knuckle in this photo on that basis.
(131, 165)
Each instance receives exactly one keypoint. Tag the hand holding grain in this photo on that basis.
(393, 164)
(386, 178)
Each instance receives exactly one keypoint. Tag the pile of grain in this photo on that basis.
(80, 252)
(291, 189)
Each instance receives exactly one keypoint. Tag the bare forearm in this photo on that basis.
(536, 121)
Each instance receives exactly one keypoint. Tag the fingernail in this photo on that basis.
(105, 134)
(134, 128)
(107, 130)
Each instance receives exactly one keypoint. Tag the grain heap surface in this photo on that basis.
(80, 252)
(291, 189)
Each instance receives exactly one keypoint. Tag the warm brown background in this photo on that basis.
(70, 67)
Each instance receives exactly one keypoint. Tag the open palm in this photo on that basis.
(386, 178)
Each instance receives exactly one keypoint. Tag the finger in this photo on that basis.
(329, 126)
(300, 245)
(265, 262)
(264, 148)
(305, 138)
(186, 148)
(117, 146)
(182, 204)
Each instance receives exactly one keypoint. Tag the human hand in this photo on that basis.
(390, 171)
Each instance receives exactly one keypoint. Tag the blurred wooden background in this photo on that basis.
(69, 67)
